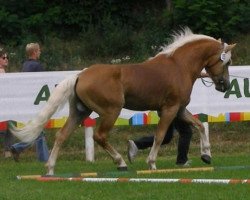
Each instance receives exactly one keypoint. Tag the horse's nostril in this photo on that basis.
(221, 81)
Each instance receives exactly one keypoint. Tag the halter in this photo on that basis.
(225, 57)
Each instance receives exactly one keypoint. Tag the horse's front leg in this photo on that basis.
(166, 117)
(204, 138)
(105, 125)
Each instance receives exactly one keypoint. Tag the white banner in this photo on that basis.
(22, 95)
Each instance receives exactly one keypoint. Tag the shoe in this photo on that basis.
(186, 164)
(132, 150)
(7, 154)
(15, 154)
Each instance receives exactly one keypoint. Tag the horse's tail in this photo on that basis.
(63, 91)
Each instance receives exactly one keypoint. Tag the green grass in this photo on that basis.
(230, 147)
(11, 188)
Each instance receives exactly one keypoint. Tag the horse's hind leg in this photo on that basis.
(73, 121)
(204, 138)
(101, 134)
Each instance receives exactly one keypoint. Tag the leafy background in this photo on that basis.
(75, 34)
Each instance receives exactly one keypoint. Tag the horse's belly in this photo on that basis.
(141, 104)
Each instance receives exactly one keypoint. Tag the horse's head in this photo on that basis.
(217, 67)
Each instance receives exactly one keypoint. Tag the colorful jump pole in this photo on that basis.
(140, 172)
(148, 180)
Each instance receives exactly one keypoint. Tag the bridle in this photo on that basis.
(225, 61)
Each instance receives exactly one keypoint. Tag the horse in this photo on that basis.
(162, 83)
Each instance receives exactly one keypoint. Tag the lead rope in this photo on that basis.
(206, 83)
(210, 83)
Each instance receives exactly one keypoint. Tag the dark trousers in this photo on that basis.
(8, 139)
(185, 135)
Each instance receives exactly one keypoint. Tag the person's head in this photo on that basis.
(3, 58)
(33, 51)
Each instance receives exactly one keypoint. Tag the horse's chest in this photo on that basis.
(144, 100)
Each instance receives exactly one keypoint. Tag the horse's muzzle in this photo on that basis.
(222, 85)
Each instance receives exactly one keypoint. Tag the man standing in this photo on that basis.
(33, 52)
(32, 64)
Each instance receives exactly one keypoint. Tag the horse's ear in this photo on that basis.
(219, 40)
(229, 47)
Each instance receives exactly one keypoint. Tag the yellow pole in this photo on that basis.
(158, 171)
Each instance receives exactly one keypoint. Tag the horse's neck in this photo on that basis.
(192, 60)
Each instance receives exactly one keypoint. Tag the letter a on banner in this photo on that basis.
(234, 89)
(43, 95)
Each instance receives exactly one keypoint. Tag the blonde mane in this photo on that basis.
(181, 38)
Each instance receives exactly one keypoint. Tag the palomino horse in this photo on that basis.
(163, 83)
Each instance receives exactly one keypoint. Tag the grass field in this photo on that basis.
(230, 147)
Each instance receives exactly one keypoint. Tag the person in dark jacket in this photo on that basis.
(32, 64)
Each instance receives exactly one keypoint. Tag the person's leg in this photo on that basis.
(8, 141)
(134, 146)
(146, 142)
(42, 148)
(185, 135)
(20, 146)
(17, 148)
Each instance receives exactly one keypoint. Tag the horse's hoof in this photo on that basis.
(206, 159)
(152, 166)
(48, 175)
(122, 168)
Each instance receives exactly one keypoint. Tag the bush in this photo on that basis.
(74, 34)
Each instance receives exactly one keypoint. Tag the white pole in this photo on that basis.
(89, 144)
(152, 180)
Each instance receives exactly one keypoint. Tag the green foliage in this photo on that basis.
(242, 52)
(75, 33)
(217, 18)
(67, 19)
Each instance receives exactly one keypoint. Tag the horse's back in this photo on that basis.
(99, 87)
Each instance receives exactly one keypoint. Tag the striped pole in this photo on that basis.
(140, 172)
(118, 173)
(149, 180)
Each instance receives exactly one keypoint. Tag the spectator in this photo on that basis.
(8, 138)
(32, 64)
